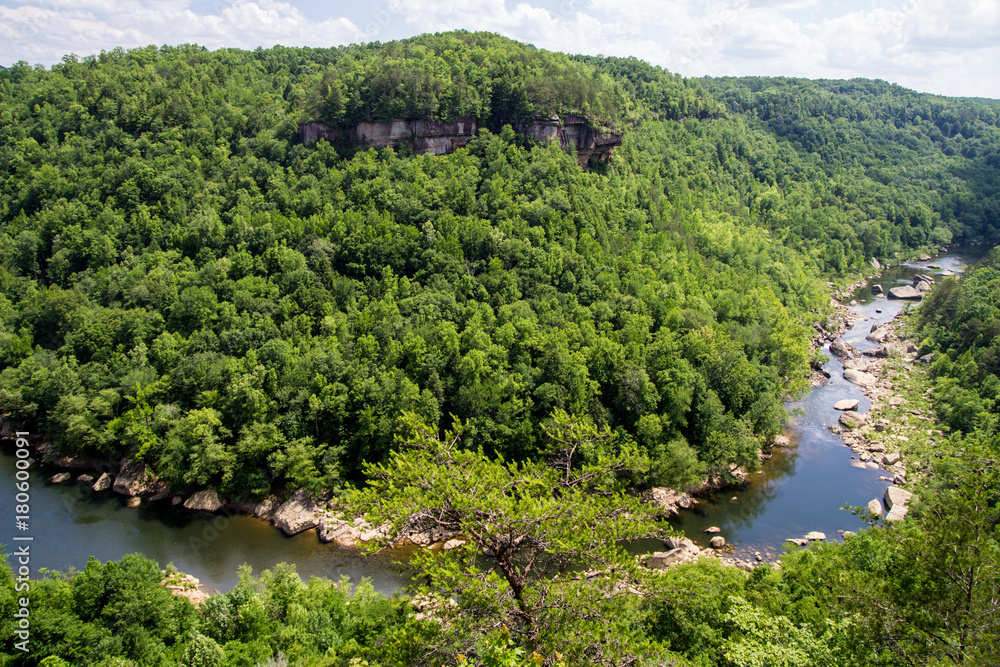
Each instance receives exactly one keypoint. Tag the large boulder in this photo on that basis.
(907, 292)
(297, 514)
(897, 501)
(860, 378)
(859, 364)
(133, 480)
(875, 507)
(841, 349)
(340, 532)
(718, 542)
(853, 419)
(681, 551)
(206, 500)
(879, 334)
(814, 536)
(103, 482)
(60, 478)
(846, 404)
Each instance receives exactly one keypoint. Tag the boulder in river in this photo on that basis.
(907, 292)
(134, 501)
(713, 530)
(59, 478)
(842, 349)
(718, 542)
(814, 536)
(852, 419)
(846, 404)
(860, 378)
(296, 514)
(879, 334)
(206, 500)
(85, 479)
(858, 364)
(876, 289)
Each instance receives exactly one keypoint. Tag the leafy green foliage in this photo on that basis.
(557, 575)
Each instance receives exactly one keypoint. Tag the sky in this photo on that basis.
(946, 47)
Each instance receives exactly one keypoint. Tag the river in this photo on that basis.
(800, 489)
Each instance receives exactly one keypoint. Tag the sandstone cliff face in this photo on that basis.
(440, 138)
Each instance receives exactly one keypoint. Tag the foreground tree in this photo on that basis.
(544, 559)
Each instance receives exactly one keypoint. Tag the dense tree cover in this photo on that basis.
(185, 284)
(927, 164)
(117, 614)
(182, 282)
(960, 323)
(553, 530)
(442, 77)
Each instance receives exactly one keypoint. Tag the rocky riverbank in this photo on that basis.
(892, 376)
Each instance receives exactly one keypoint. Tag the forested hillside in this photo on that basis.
(184, 283)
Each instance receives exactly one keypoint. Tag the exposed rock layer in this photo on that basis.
(441, 137)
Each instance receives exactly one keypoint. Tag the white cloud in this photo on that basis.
(931, 45)
(43, 32)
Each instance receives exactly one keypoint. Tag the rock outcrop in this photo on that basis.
(897, 503)
(442, 137)
(860, 378)
(906, 292)
(206, 500)
(103, 482)
(297, 514)
(133, 480)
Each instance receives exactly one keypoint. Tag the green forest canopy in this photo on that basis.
(181, 281)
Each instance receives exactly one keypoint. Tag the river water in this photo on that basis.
(800, 489)
(806, 486)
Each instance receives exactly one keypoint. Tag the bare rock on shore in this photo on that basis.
(890, 459)
(846, 404)
(133, 480)
(103, 482)
(860, 378)
(342, 533)
(206, 500)
(266, 508)
(296, 514)
(669, 499)
(875, 507)
(897, 501)
(681, 550)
